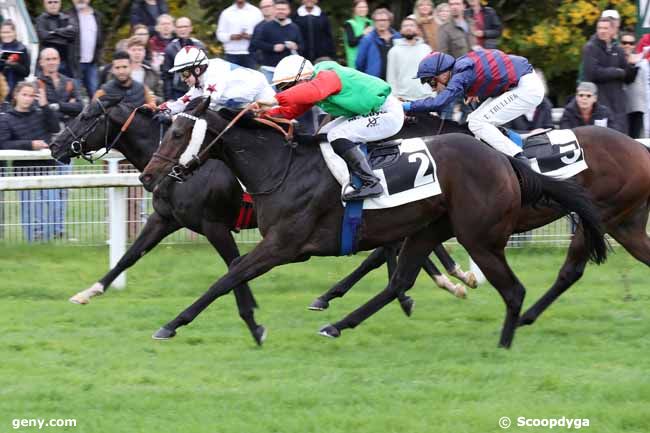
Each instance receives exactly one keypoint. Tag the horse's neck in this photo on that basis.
(136, 150)
(264, 165)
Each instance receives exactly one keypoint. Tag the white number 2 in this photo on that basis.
(420, 178)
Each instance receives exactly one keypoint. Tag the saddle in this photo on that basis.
(538, 145)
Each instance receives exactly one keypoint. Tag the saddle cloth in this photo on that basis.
(555, 153)
(405, 167)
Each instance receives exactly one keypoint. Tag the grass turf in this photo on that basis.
(439, 371)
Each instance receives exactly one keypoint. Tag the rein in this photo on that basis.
(77, 144)
(178, 171)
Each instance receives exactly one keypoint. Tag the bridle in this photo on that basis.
(179, 171)
(77, 145)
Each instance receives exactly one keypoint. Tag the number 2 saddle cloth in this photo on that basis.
(405, 167)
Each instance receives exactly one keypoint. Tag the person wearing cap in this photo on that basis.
(511, 86)
(363, 106)
(585, 109)
(615, 18)
(606, 65)
(227, 84)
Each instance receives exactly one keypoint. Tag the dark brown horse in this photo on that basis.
(617, 181)
(299, 211)
(208, 203)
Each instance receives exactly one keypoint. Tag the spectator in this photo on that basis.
(316, 32)
(4, 88)
(373, 48)
(540, 117)
(487, 26)
(14, 62)
(427, 22)
(173, 86)
(354, 29)
(455, 37)
(140, 70)
(147, 12)
(643, 43)
(267, 7)
(277, 39)
(636, 92)
(235, 29)
(159, 41)
(63, 99)
(122, 85)
(28, 126)
(442, 14)
(585, 109)
(61, 91)
(88, 44)
(403, 61)
(615, 19)
(605, 65)
(57, 30)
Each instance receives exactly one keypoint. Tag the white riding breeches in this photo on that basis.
(385, 122)
(483, 122)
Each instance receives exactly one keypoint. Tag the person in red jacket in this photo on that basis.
(362, 104)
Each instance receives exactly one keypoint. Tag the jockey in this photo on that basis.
(509, 83)
(227, 84)
(362, 104)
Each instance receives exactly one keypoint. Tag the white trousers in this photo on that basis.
(484, 120)
(375, 126)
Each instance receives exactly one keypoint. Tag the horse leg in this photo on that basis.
(493, 263)
(631, 233)
(264, 257)
(467, 277)
(405, 302)
(372, 262)
(221, 239)
(155, 230)
(414, 250)
(571, 271)
(442, 281)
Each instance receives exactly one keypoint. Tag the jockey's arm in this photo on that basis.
(297, 100)
(177, 106)
(454, 89)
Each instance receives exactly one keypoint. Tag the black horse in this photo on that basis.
(208, 203)
(299, 211)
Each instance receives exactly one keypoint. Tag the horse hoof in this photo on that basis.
(259, 335)
(407, 306)
(164, 334)
(460, 291)
(329, 331)
(79, 299)
(471, 280)
(319, 305)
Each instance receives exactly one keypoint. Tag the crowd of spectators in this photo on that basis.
(613, 90)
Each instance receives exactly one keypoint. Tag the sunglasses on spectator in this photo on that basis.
(585, 95)
(628, 42)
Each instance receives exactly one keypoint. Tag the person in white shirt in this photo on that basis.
(227, 84)
(403, 61)
(235, 29)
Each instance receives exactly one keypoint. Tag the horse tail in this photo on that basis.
(568, 197)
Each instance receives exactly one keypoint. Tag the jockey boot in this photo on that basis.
(370, 184)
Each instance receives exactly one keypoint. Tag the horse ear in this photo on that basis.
(110, 100)
(203, 106)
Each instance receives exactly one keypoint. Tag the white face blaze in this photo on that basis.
(198, 135)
